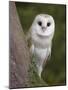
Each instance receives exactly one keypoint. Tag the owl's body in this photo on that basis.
(42, 31)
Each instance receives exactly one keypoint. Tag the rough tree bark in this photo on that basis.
(19, 53)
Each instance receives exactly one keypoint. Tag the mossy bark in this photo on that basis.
(19, 59)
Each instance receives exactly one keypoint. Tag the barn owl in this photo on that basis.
(42, 32)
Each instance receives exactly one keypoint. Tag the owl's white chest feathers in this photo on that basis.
(41, 42)
(41, 53)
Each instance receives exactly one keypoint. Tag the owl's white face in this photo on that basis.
(43, 25)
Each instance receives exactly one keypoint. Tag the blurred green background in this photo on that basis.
(54, 72)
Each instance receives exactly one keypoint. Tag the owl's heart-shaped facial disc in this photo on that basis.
(43, 25)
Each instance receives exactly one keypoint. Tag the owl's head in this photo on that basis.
(43, 25)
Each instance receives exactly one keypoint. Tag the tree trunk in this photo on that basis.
(19, 59)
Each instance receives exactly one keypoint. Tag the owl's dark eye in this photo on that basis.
(48, 24)
(40, 23)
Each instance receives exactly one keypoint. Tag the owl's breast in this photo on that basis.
(41, 55)
(41, 42)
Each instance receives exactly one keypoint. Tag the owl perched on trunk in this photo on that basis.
(42, 32)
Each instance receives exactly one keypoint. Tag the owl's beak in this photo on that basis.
(43, 29)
